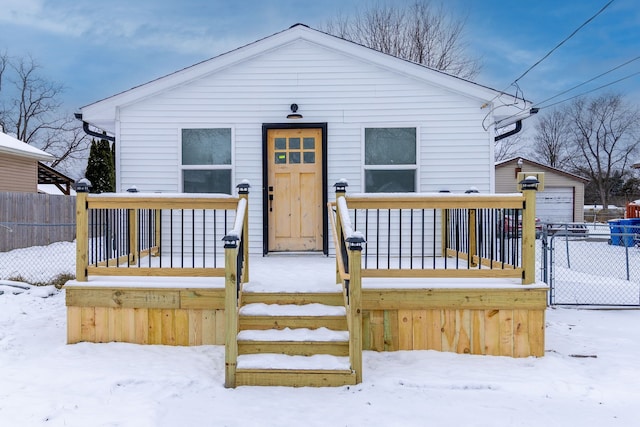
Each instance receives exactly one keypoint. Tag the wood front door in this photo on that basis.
(294, 189)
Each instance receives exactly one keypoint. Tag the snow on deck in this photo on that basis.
(290, 273)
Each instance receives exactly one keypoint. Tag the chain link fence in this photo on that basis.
(44, 261)
(592, 264)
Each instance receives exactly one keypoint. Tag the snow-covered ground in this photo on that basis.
(589, 376)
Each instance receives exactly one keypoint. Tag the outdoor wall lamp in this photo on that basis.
(519, 164)
(529, 183)
(294, 112)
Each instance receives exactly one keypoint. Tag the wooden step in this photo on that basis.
(299, 298)
(336, 323)
(294, 348)
(295, 378)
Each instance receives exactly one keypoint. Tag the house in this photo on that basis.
(293, 113)
(19, 164)
(50, 181)
(561, 201)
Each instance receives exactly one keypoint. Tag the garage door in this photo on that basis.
(555, 204)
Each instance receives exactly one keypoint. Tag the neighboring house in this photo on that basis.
(19, 165)
(293, 113)
(563, 197)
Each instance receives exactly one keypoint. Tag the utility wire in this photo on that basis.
(592, 90)
(555, 48)
(588, 81)
(563, 41)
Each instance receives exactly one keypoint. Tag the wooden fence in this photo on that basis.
(33, 219)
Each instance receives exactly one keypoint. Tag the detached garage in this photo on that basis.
(563, 197)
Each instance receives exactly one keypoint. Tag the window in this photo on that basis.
(390, 160)
(206, 160)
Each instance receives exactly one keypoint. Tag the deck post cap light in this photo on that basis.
(243, 187)
(83, 185)
(529, 183)
(341, 186)
(132, 189)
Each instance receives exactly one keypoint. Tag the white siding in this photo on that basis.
(347, 94)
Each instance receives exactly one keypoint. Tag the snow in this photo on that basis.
(260, 309)
(588, 377)
(298, 334)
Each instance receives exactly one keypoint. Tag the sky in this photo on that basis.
(98, 49)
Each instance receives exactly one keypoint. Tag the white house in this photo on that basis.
(293, 113)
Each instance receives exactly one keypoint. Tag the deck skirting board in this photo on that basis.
(505, 322)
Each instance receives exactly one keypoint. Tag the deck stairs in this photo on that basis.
(293, 339)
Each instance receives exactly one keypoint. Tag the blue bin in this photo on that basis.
(629, 228)
(614, 227)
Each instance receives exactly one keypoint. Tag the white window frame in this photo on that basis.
(182, 168)
(366, 167)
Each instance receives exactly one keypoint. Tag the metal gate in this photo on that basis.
(589, 265)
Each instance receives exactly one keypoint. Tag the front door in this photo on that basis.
(294, 189)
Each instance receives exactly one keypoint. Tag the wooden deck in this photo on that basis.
(472, 292)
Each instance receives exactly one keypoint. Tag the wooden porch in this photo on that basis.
(439, 284)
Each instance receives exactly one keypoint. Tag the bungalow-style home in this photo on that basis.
(19, 165)
(562, 200)
(293, 113)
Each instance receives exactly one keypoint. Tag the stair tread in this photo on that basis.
(270, 361)
(287, 310)
(299, 334)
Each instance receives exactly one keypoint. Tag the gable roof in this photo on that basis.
(507, 162)
(11, 145)
(102, 113)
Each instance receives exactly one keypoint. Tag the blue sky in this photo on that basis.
(99, 48)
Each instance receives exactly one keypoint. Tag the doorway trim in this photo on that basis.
(265, 177)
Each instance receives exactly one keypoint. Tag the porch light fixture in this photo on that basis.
(519, 164)
(294, 112)
(529, 183)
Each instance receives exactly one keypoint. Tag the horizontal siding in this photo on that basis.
(18, 174)
(329, 87)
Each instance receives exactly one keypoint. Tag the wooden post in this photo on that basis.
(230, 313)
(82, 236)
(243, 193)
(355, 305)
(341, 190)
(473, 238)
(529, 236)
(157, 215)
(133, 236)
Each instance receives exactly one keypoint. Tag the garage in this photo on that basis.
(562, 199)
(555, 204)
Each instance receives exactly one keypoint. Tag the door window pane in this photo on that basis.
(206, 146)
(294, 157)
(390, 146)
(207, 181)
(309, 143)
(281, 143)
(390, 181)
(309, 157)
(294, 143)
(281, 158)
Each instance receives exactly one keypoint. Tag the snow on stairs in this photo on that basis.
(293, 339)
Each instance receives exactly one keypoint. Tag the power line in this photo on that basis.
(588, 81)
(593, 90)
(515, 82)
(563, 41)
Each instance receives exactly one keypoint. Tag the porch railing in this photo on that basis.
(159, 234)
(444, 235)
(349, 245)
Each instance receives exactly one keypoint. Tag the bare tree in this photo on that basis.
(421, 33)
(508, 147)
(31, 110)
(552, 141)
(605, 134)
